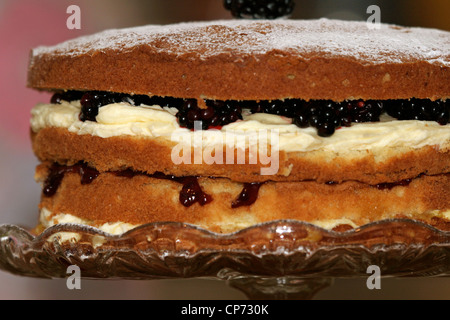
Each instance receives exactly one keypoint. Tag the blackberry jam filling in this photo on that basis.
(324, 115)
(190, 193)
(58, 171)
(384, 185)
(248, 195)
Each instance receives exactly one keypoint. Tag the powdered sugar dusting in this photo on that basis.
(329, 38)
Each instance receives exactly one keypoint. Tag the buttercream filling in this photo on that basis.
(123, 119)
(49, 219)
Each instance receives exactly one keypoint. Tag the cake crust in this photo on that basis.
(251, 60)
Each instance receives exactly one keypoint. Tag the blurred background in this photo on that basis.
(25, 24)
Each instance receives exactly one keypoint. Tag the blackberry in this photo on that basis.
(90, 104)
(253, 106)
(233, 117)
(269, 106)
(228, 111)
(284, 108)
(182, 119)
(70, 95)
(301, 121)
(346, 121)
(442, 112)
(326, 129)
(156, 100)
(327, 112)
(167, 102)
(217, 113)
(364, 111)
(207, 114)
(259, 9)
(323, 117)
(326, 116)
(188, 112)
(419, 109)
(193, 115)
(422, 110)
(56, 98)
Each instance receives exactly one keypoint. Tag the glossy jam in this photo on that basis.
(390, 185)
(248, 195)
(57, 172)
(190, 193)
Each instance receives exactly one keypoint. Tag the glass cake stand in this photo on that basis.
(278, 260)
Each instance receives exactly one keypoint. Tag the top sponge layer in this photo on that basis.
(245, 59)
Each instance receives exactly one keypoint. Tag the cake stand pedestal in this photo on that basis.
(280, 288)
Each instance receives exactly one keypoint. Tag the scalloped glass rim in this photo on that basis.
(400, 247)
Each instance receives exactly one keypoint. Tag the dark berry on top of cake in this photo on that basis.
(259, 9)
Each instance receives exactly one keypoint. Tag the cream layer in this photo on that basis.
(120, 119)
(49, 219)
